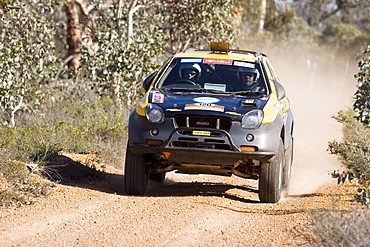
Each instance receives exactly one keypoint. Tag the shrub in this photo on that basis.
(340, 228)
(353, 151)
(72, 126)
(18, 185)
(362, 95)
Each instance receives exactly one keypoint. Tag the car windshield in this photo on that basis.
(214, 76)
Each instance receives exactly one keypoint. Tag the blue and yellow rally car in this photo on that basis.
(216, 111)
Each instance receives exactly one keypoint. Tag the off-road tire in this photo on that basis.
(271, 178)
(288, 161)
(136, 175)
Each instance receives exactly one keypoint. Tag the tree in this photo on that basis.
(261, 23)
(115, 64)
(362, 95)
(74, 37)
(27, 55)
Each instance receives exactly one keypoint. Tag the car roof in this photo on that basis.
(222, 53)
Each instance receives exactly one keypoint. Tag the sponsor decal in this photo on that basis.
(191, 60)
(218, 61)
(204, 107)
(173, 110)
(157, 97)
(249, 101)
(233, 113)
(209, 100)
(244, 64)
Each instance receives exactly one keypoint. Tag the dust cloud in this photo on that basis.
(318, 87)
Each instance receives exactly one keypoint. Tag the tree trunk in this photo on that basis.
(261, 22)
(74, 38)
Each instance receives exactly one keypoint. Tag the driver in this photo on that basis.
(190, 71)
(248, 78)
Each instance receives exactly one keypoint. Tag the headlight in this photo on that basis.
(154, 113)
(252, 119)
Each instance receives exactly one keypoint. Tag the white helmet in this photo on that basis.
(191, 66)
(253, 71)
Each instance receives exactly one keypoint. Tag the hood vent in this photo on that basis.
(248, 105)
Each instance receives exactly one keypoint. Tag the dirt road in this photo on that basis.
(196, 210)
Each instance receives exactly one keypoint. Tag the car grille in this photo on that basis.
(215, 126)
(203, 143)
(203, 122)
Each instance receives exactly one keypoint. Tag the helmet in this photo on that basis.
(253, 71)
(190, 66)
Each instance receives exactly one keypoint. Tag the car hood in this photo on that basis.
(226, 104)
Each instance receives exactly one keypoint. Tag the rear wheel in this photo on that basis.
(136, 174)
(271, 178)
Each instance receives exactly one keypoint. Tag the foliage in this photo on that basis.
(117, 70)
(115, 65)
(349, 36)
(71, 127)
(26, 55)
(299, 33)
(362, 95)
(340, 228)
(18, 185)
(199, 23)
(353, 152)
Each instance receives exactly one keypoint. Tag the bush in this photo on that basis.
(353, 151)
(349, 228)
(340, 228)
(74, 126)
(362, 95)
(18, 185)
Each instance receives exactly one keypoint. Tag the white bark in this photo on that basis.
(134, 8)
(261, 22)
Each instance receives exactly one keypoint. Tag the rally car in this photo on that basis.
(216, 111)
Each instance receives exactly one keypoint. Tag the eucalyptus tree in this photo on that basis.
(27, 55)
(115, 62)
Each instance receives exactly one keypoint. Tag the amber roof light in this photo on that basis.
(220, 47)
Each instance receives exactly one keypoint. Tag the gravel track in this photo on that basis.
(186, 211)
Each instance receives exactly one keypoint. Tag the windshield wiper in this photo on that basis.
(248, 92)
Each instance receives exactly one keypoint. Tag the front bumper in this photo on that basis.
(221, 147)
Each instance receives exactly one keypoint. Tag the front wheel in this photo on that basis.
(136, 174)
(271, 177)
(288, 160)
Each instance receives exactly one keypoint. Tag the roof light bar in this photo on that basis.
(220, 47)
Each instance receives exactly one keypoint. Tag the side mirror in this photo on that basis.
(280, 91)
(147, 81)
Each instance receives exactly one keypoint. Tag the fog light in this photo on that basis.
(154, 132)
(249, 137)
(154, 142)
(247, 148)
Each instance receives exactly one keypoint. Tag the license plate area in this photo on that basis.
(201, 133)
